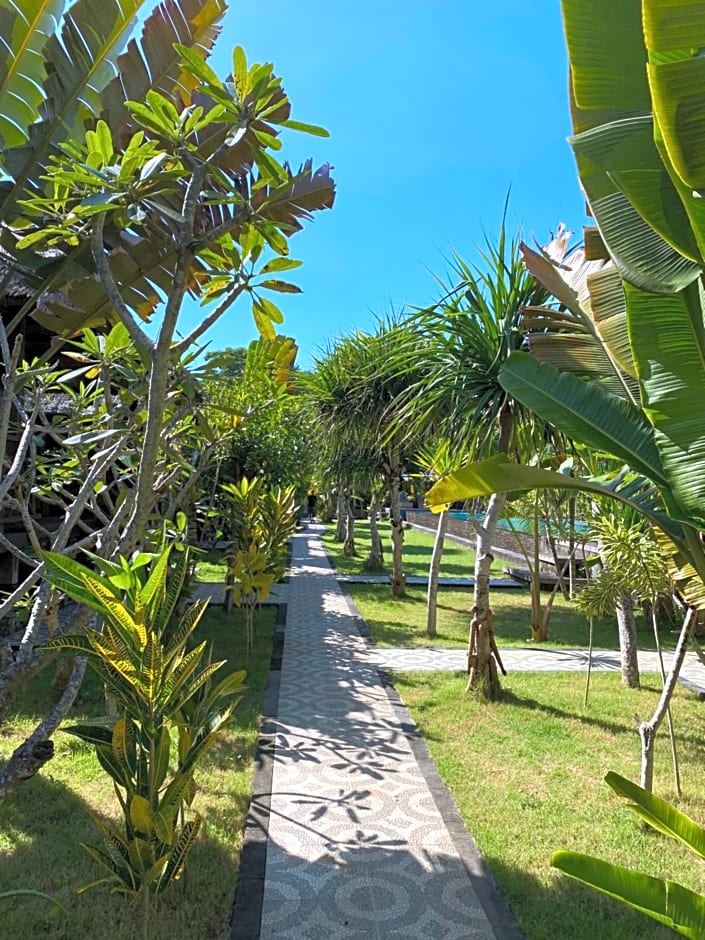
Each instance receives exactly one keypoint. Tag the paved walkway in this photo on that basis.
(533, 659)
(351, 833)
(361, 838)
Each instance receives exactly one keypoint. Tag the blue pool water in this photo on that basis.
(521, 525)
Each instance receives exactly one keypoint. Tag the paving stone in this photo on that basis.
(533, 659)
(357, 844)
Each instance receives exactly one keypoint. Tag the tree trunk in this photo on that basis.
(572, 547)
(483, 656)
(432, 594)
(62, 676)
(349, 541)
(38, 748)
(375, 560)
(648, 729)
(627, 641)
(536, 618)
(340, 512)
(398, 577)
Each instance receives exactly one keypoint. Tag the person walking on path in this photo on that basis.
(312, 499)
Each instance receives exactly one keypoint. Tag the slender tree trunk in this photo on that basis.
(536, 618)
(375, 560)
(398, 576)
(340, 512)
(627, 641)
(349, 541)
(62, 676)
(648, 729)
(435, 567)
(572, 568)
(483, 655)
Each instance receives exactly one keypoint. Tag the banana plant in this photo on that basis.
(665, 901)
(169, 713)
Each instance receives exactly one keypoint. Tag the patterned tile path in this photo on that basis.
(363, 842)
(442, 582)
(438, 659)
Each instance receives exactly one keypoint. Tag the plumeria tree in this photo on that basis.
(133, 180)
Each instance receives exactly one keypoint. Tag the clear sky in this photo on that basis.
(435, 109)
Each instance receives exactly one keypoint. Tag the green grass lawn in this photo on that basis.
(211, 567)
(402, 621)
(44, 822)
(457, 562)
(527, 775)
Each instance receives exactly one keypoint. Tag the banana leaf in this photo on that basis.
(668, 339)
(664, 901)
(585, 412)
(499, 475)
(22, 66)
(80, 61)
(659, 814)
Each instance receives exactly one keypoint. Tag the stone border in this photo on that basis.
(495, 905)
(246, 918)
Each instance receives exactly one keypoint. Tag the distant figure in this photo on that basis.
(311, 506)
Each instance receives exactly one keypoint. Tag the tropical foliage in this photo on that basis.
(466, 338)
(134, 176)
(169, 712)
(669, 903)
(261, 520)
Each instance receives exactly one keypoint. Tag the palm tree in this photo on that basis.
(357, 389)
(466, 338)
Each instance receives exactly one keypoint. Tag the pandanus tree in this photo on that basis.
(464, 341)
(335, 432)
(358, 387)
(132, 179)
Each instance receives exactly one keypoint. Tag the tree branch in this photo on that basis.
(143, 343)
(213, 317)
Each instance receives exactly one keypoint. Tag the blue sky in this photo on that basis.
(435, 109)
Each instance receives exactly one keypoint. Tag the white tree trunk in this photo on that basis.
(648, 729)
(432, 594)
(627, 641)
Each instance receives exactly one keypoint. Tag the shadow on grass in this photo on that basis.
(566, 908)
(510, 699)
(42, 827)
